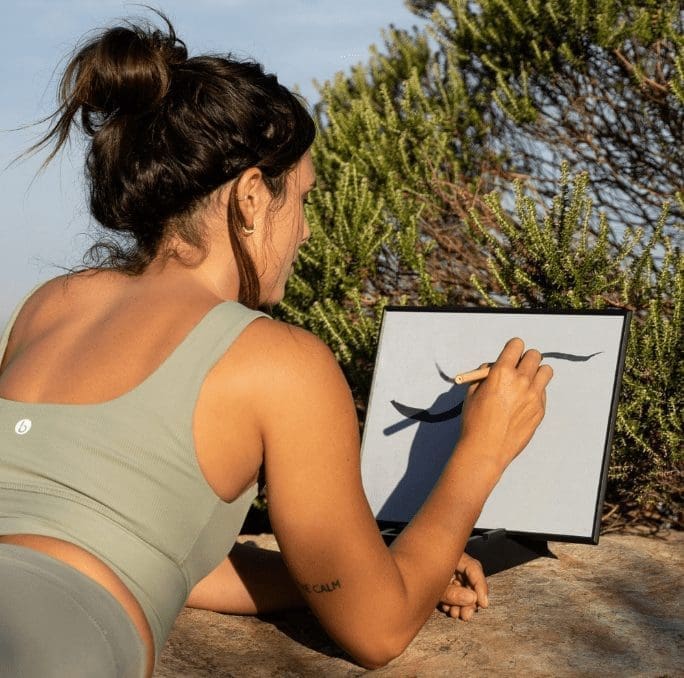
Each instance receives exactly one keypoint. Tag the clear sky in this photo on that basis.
(43, 218)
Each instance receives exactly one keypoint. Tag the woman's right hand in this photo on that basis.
(502, 412)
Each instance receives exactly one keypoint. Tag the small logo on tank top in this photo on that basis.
(22, 427)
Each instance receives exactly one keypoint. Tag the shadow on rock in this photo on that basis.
(303, 628)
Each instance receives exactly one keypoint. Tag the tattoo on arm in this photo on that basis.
(321, 588)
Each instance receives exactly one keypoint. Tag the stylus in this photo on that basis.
(473, 375)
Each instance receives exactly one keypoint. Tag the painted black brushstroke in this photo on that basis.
(424, 415)
(570, 356)
(417, 414)
(444, 375)
(551, 354)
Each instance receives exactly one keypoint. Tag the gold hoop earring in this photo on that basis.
(247, 230)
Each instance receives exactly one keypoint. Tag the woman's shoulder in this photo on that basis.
(49, 299)
(273, 359)
(275, 372)
(279, 346)
(43, 299)
(280, 332)
(286, 378)
(46, 306)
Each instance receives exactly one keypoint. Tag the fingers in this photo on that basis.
(459, 612)
(471, 570)
(456, 612)
(473, 386)
(459, 595)
(465, 612)
(542, 378)
(510, 355)
(481, 591)
(529, 363)
(467, 591)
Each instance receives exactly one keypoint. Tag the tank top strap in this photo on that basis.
(4, 339)
(176, 383)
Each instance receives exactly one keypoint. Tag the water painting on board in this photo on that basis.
(555, 488)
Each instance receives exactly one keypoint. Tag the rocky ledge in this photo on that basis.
(609, 610)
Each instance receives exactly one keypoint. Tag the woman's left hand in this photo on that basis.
(467, 591)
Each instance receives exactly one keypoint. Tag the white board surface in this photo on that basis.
(554, 487)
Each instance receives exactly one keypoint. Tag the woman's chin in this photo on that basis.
(273, 298)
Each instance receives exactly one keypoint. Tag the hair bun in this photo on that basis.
(125, 70)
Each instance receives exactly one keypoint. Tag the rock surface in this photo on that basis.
(609, 610)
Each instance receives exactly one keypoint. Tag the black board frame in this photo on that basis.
(500, 548)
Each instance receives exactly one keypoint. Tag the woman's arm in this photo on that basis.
(371, 599)
(251, 580)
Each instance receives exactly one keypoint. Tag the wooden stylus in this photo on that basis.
(473, 375)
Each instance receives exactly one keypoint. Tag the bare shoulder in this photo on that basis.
(282, 349)
(275, 331)
(288, 369)
(42, 304)
(61, 290)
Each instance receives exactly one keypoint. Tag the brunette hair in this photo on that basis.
(167, 130)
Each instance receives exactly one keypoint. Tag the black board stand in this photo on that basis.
(495, 549)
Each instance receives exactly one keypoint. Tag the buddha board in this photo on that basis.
(555, 488)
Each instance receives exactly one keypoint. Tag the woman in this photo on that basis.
(140, 398)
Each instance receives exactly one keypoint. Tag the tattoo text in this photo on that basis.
(321, 588)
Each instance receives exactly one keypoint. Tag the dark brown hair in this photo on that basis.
(166, 131)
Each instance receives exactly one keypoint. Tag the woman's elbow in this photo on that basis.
(379, 653)
(372, 663)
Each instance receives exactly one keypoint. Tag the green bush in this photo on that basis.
(444, 166)
(563, 259)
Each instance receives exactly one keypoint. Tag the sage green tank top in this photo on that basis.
(121, 478)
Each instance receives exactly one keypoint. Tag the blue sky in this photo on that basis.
(43, 218)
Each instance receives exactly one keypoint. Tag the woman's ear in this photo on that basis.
(250, 192)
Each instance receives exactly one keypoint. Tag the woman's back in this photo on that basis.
(154, 486)
(95, 336)
(103, 334)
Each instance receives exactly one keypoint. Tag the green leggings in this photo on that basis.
(56, 622)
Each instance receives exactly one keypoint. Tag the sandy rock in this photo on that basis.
(609, 610)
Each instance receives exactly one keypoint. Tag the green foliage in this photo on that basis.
(419, 160)
(561, 260)
(648, 457)
(598, 84)
(380, 137)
